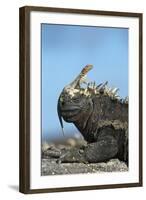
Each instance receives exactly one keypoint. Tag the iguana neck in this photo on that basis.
(85, 124)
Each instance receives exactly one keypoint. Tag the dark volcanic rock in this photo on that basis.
(50, 166)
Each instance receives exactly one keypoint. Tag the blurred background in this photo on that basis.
(65, 50)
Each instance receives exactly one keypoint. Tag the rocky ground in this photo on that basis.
(52, 152)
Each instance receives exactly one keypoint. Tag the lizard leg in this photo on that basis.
(104, 149)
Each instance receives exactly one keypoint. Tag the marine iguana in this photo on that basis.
(100, 116)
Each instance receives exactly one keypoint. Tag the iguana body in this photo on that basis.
(100, 116)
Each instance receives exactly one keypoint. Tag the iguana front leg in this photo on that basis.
(101, 151)
(104, 149)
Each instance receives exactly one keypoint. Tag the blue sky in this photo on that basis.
(66, 50)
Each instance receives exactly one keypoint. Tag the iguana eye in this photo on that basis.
(76, 99)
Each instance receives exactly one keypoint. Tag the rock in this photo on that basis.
(51, 166)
